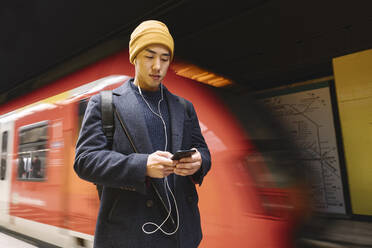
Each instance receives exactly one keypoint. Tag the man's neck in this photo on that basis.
(138, 84)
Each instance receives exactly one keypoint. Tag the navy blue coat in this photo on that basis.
(128, 201)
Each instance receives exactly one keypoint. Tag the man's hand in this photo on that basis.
(188, 166)
(160, 164)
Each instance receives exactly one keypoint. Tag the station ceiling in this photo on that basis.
(259, 44)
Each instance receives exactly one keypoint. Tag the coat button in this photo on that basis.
(190, 199)
(149, 203)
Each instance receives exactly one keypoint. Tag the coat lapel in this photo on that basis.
(177, 115)
(127, 105)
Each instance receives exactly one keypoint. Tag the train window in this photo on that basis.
(32, 151)
(4, 155)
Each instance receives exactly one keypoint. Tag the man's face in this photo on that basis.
(151, 66)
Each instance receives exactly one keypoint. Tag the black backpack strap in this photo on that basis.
(107, 115)
(107, 123)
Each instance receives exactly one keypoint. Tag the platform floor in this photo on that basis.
(11, 242)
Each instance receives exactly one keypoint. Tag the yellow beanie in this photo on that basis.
(148, 33)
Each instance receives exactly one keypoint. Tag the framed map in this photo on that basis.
(307, 112)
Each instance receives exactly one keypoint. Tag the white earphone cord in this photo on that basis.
(166, 184)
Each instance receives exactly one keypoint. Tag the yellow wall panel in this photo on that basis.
(353, 80)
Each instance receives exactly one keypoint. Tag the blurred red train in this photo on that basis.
(242, 203)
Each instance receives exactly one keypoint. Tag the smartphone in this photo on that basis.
(182, 154)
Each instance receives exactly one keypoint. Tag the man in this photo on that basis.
(148, 199)
(21, 167)
(36, 167)
(28, 168)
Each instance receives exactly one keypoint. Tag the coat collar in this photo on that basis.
(127, 105)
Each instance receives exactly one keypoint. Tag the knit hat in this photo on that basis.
(148, 33)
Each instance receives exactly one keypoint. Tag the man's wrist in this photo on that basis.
(195, 178)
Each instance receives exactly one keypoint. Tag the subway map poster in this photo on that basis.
(307, 114)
